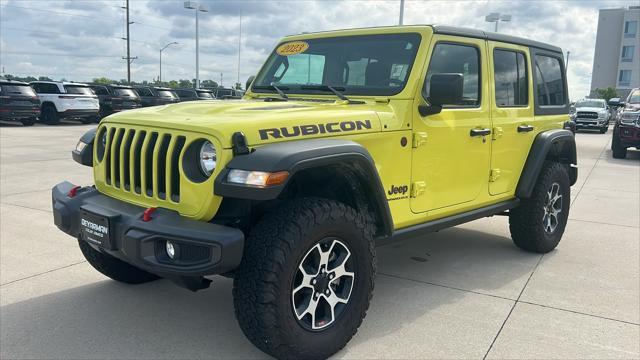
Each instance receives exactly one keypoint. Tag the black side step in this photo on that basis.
(447, 222)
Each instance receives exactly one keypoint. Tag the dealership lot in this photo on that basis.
(464, 292)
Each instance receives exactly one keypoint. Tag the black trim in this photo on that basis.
(479, 34)
(558, 143)
(447, 222)
(86, 156)
(295, 156)
(549, 109)
(135, 241)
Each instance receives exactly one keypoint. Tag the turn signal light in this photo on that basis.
(257, 178)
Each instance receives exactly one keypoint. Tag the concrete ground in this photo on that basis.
(465, 292)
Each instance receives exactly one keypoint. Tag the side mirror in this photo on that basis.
(444, 89)
(249, 81)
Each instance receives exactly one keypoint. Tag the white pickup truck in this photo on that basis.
(66, 100)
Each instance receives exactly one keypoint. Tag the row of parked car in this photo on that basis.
(52, 101)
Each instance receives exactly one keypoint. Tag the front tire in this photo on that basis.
(50, 115)
(28, 121)
(619, 151)
(538, 223)
(114, 268)
(306, 279)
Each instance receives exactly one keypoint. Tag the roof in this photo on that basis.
(461, 31)
(58, 82)
(119, 86)
(12, 82)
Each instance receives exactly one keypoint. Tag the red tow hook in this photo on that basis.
(74, 190)
(146, 215)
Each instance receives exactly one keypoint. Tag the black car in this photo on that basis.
(115, 98)
(225, 93)
(18, 102)
(194, 94)
(153, 95)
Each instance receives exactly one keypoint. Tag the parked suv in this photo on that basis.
(592, 114)
(18, 102)
(115, 98)
(626, 132)
(390, 133)
(153, 95)
(226, 93)
(194, 94)
(66, 100)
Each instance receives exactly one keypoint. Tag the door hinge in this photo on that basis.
(494, 175)
(419, 138)
(497, 133)
(418, 188)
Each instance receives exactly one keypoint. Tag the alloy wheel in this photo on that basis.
(552, 209)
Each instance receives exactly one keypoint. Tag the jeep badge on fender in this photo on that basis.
(289, 189)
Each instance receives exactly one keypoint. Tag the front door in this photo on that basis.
(450, 163)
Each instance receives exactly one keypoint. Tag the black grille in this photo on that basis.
(587, 115)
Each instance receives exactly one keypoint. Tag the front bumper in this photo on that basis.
(203, 248)
(629, 135)
(590, 123)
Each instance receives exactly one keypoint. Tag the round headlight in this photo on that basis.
(208, 158)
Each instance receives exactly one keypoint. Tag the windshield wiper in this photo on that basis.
(276, 88)
(334, 90)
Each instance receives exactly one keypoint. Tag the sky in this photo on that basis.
(82, 39)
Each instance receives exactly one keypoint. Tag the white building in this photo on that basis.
(616, 62)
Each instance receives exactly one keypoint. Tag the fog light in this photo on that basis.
(171, 250)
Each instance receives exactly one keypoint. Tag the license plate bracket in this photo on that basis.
(96, 229)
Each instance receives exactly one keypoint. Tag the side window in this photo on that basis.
(143, 92)
(510, 78)
(458, 59)
(36, 88)
(99, 90)
(549, 81)
(49, 89)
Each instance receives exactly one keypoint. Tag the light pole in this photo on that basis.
(193, 5)
(496, 18)
(164, 47)
(401, 12)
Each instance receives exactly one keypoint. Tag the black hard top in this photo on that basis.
(487, 35)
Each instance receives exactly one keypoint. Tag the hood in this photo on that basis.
(632, 107)
(591, 109)
(260, 121)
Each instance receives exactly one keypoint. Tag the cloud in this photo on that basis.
(91, 31)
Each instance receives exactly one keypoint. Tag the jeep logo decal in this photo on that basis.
(398, 190)
(313, 129)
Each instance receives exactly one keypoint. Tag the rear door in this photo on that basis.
(512, 113)
(450, 161)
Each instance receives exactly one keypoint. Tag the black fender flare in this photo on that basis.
(558, 144)
(85, 156)
(294, 156)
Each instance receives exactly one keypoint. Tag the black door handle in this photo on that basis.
(525, 128)
(479, 132)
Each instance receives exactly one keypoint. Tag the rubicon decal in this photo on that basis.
(314, 129)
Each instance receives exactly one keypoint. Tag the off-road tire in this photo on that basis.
(114, 268)
(525, 221)
(619, 151)
(28, 121)
(262, 288)
(49, 115)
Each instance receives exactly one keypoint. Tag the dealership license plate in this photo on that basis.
(95, 228)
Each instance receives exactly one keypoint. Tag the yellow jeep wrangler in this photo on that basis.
(343, 141)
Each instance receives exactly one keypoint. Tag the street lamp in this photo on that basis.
(496, 18)
(193, 5)
(164, 47)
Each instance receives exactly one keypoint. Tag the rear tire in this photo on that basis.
(619, 151)
(283, 298)
(49, 115)
(114, 268)
(538, 223)
(28, 122)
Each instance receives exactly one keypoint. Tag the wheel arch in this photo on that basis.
(556, 145)
(49, 103)
(340, 170)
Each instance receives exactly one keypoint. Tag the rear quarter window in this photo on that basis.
(549, 81)
(79, 90)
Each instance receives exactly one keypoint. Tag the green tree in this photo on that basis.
(184, 83)
(44, 78)
(103, 80)
(209, 84)
(607, 93)
(173, 84)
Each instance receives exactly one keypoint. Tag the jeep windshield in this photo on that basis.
(590, 103)
(356, 65)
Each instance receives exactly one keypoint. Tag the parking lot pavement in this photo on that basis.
(465, 292)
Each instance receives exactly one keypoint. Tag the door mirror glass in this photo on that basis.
(445, 89)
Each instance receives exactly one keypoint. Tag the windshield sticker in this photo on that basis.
(292, 48)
